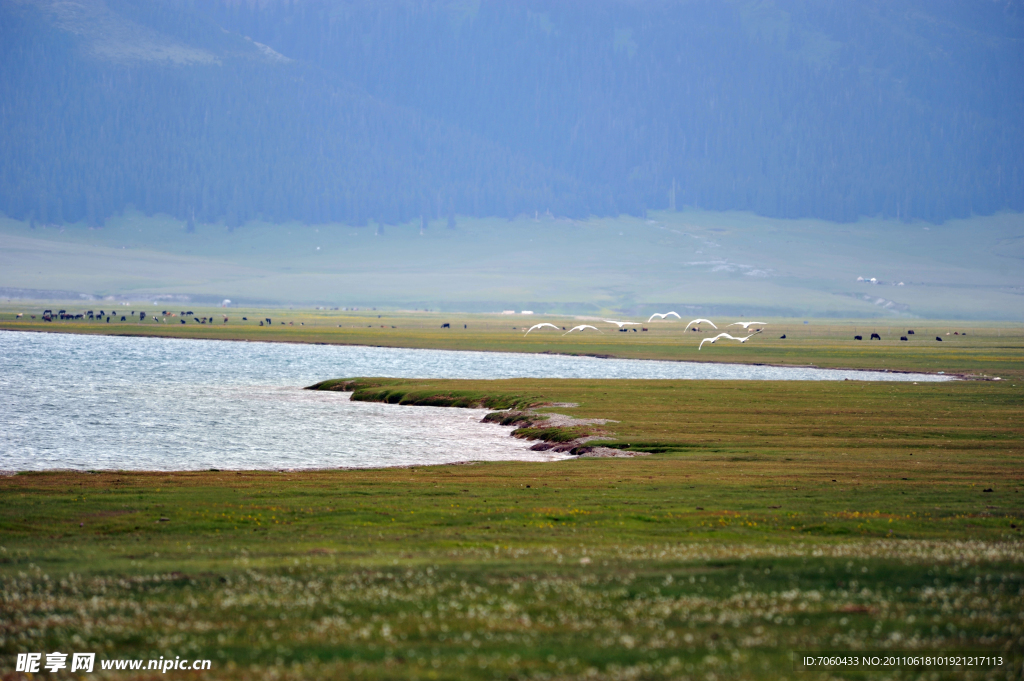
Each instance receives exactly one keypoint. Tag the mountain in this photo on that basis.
(106, 105)
(354, 111)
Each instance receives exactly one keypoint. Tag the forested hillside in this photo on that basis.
(334, 110)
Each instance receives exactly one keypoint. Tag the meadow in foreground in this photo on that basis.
(765, 519)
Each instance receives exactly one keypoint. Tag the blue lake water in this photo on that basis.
(103, 402)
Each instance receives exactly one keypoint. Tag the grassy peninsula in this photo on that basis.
(765, 518)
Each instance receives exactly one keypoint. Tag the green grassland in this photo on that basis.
(988, 349)
(708, 262)
(763, 519)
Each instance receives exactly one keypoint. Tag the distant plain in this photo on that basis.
(701, 262)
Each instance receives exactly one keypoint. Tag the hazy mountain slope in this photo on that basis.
(352, 110)
(104, 105)
(904, 108)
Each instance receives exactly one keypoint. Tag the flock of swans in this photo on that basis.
(660, 315)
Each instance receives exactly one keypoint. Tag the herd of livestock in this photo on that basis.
(167, 316)
(101, 315)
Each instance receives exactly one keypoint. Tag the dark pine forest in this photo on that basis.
(357, 111)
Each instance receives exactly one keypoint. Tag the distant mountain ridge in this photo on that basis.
(355, 111)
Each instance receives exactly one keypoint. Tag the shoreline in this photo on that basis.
(950, 376)
(558, 433)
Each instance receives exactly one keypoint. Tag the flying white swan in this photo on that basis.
(725, 335)
(662, 316)
(698, 321)
(622, 324)
(541, 325)
(746, 325)
(580, 328)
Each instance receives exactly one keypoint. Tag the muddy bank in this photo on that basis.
(555, 432)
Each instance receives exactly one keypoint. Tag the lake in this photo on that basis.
(104, 402)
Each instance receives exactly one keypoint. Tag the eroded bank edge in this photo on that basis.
(556, 432)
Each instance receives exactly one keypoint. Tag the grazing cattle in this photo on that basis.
(641, 328)
(142, 315)
(910, 332)
(875, 336)
(245, 319)
(268, 321)
(903, 338)
(123, 318)
(964, 333)
(261, 324)
(189, 313)
(858, 338)
(782, 336)
(182, 321)
(19, 315)
(956, 333)
(33, 316)
(938, 338)
(446, 325)
(463, 326)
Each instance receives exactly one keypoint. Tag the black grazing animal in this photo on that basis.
(446, 325)
(122, 318)
(466, 327)
(190, 312)
(782, 336)
(142, 315)
(938, 338)
(268, 321)
(875, 336)
(858, 338)
(182, 321)
(903, 338)
(245, 319)
(910, 332)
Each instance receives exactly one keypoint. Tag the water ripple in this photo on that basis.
(104, 402)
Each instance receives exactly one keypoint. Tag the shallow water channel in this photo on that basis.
(103, 402)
